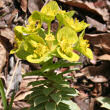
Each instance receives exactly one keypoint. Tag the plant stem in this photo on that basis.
(3, 95)
(59, 26)
(49, 28)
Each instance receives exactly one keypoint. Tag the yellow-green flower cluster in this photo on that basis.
(37, 45)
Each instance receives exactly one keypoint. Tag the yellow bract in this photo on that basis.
(49, 37)
(83, 47)
(66, 39)
(75, 24)
(79, 26)
(65, 46)
(40, 50)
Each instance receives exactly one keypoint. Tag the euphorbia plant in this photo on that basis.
(37, 45)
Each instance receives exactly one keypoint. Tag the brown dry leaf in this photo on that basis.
(7, 1)
(97, 73)
(90, 8)
(104, 57)
(23, 5)
(27, 80)
(100, 41)
(3, 24)
(11, 16)
(102, 11)
(8, 34)
(99, 26)
(105, 42)
(22, 95)
(83, 103)
(1, 3)
(98, 79)
(35, 5)
(20, 105)
(100, 3)
(2, 56)
(24, 90)
(97, 91)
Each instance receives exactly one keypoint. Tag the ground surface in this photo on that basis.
(93, 79)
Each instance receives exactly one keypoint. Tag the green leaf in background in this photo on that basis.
(63, 106)
(34, 73)
(40, 99)
(105, 101)
(68, 95)
(58, 108)
(61, 63)
(32, 96)
(32, 108)
(39, 107)
(35, 83)
(69, 90)
(37, 88)
(47, 91)
(50, 106)
(55, 78)
(71, 105)
(56, 97)
(69, 71)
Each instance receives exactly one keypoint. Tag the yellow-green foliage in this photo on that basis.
(36, 45)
